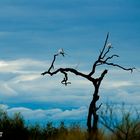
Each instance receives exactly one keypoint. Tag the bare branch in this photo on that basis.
(65, 70)
(107, 126)
(98, 107)
(65, 80)
(93, 68)
(52, 65)
(101, 77)
(100, 56)
(110, 57)
(116, 65)
(102, 60)
(97, 63)
(108, 49)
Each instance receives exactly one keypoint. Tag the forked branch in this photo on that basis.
(103, 58)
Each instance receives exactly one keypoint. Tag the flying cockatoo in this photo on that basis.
(61, 51)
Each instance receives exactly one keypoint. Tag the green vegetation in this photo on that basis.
(127, 128)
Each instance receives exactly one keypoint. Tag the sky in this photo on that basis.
(32, 31)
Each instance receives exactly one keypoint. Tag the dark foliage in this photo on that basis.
(127, 128)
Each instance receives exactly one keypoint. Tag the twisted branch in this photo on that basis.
(65, 80)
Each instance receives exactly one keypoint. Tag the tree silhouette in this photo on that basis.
(103, 59)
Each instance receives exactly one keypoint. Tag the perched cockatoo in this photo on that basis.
(109, 45)
(61, 51)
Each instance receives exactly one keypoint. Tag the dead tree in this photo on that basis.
(103, 59)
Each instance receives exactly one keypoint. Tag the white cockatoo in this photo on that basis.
(61, 51)
(109, 45)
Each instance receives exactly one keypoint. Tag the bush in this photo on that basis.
(12, 128)
(123, 122)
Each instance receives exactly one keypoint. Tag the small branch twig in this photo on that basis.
(106, 40)
(104, 55)
(98, 107)
(65, 80)
(114, 55)
(116, 65)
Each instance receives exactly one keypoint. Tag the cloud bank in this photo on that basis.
(21, 83)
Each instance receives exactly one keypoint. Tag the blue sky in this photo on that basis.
(32, 31)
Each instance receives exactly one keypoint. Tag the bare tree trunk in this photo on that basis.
(93, 113)
(90, 114)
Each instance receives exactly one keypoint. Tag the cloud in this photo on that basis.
(20, 65)
(4, 107)
(117, 84)
(26, 78)
(40, 115)
(127, 97)
(21, 79)
(75, 114)
(6, 90)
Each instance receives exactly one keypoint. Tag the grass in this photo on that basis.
(14, 128)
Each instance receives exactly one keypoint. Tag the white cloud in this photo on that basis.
(25, 78)
(117, 84)
(72, 114)
(28, 113)
(6, 90)
(40, 115)
(21, 66)
(127, 97)
(27, 84)
(4, 107)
